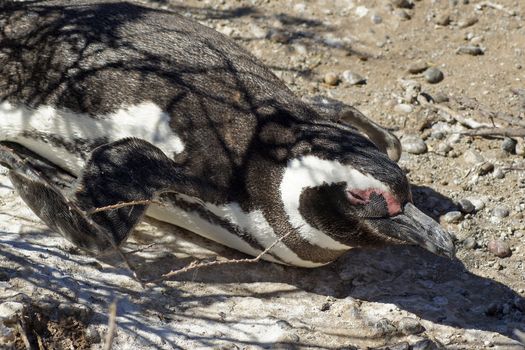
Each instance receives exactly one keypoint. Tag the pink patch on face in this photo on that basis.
(361, 197)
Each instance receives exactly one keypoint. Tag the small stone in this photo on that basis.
(417, 67)
(405, 4)
(472, 50)
(500, 212)
(498, 173)
(433, 75)
(414, 144)
(443, 148)
(470, 243)
(331, 79)
(499, 248)
(353, 78)
(10, 311)
(440, 97)
(467, 22)
(466, 206)
(409, 325)
(442, 19)
(485, 168)
(376, 19)
(509, 145)
(403, 108)
(473, 157)
(479, 203)
(452, 217)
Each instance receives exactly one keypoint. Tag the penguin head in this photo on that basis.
(343, 192)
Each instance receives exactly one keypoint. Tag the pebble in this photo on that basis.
(10, 311)
(470, 243)
(473, 157)
(409, 325)
(414, 144)
(500, 212)
(479, 203)
(331, 79)
(353, 78)
(433, 75)
(485, 168)
(467, 22)
(403, 108)
(509, 145)
(443, 148)
(499, 248)
(405, 4)
(440, 97)
(498, 173)
(376, 19)
(442, 19)
(417, 67)
(472, 50)
(466, 206)
(452, 217)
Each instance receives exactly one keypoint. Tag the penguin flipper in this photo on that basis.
(43, 187)
(124, 171)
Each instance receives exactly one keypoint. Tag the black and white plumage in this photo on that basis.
(139, 103)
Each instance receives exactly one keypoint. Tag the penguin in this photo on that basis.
(110, 102)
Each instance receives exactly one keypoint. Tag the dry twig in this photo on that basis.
(112, 326)
(124, 204)
(468, 122)
(495, 6)
(509, 132)
(196, 265)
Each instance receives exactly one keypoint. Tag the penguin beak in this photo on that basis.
(413, 226)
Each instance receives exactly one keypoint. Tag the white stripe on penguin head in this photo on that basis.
(311, 171)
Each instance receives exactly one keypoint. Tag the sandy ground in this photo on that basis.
(402, 296)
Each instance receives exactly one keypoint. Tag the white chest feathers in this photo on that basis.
(56, 134)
